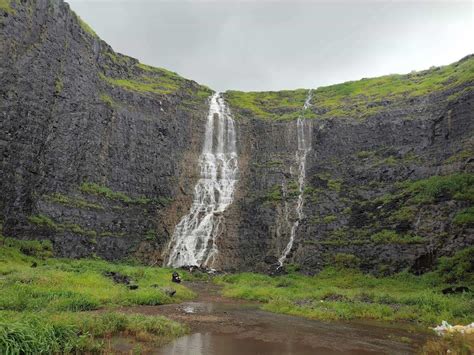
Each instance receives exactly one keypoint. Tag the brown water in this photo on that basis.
(221, 326)
(220, 344)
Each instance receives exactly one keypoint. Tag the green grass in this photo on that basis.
(465, 216)
(144, 85)
(458, 268)
(329, 219)
(269, 105)
(104, 191)
(108, 100)
(147, 79)
(392, 237)
(47, 307)
(85, 27)
(355, 99)
(430, 191)
(274, 194)
(58, 86)
(67, 332)
(344, 260)
(344, 294)
(460, 156)
(458, 186)
(47, 222)
(66, 284)
(73, 201)
(363, 97)
(5, 6)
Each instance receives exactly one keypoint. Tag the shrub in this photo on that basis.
(44, 221)
(456, 186)
(391, 237)
(329, 219)
(37, 248)
(458, 268)
(465, 216)
(342, 260)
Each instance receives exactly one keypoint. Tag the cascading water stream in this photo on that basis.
(194, 238)
(304, 130)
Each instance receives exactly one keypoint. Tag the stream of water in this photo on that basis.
(194, 238)
(304, 130)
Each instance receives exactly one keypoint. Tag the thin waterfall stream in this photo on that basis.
(194, 238)
(304, 129)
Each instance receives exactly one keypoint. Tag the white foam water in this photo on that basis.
(304, 130)
(194, 238)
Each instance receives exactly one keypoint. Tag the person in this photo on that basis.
(176, 278)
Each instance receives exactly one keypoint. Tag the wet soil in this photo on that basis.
(224, 326)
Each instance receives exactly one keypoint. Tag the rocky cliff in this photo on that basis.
(99, 154)
(94, 144)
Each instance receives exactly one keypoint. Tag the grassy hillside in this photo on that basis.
(356, 99)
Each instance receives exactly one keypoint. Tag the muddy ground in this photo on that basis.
(218, 325)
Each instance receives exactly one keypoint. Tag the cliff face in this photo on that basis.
(362, 205)
(100, 155)
(94, 145)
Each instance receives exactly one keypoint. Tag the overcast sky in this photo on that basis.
(264, 45)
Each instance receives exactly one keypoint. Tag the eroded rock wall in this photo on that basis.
(354, 172)
(95, 167)
(99, 153)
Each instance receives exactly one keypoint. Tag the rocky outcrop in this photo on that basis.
(100, 155)
(357, 172)
(89, 160)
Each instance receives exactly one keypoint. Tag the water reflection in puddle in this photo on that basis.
(241, 329)
(197, 307)
(224, 344)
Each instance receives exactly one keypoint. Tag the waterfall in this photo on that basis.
(194, 238)
(303, 129)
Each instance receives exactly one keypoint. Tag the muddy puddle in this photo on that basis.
(221, 326)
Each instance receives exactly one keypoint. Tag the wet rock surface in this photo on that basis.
(352, 166)
(104, 170)
(63, 125)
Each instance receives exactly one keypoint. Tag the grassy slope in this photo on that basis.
(355, 99)
(272, 105)
(129, 74)
(45, 307)
(145, 79)
(348, 294)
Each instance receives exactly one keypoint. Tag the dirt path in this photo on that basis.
(223, 324)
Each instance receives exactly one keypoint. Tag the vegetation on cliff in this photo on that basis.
(401, 216)
(343, 293)
(362, 98)
(272, 105)
(5, 6)
(356, 99)
(146, 79)
(45, 302)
